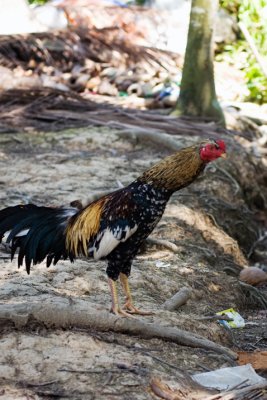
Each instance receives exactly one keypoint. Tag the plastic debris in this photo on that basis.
(161, 264)
(237, 320)
(228, 378)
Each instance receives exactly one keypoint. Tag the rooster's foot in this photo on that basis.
(131, 309)
(120, 312)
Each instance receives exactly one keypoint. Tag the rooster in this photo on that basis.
(112, 227)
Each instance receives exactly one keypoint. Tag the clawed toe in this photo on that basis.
(131, 309)
(128, 309)
(121, 312)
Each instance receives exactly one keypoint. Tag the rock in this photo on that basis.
(253, 276)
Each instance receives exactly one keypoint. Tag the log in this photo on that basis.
(147, 134)
(62, 313)
(178, 299)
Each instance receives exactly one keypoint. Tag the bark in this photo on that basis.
(62, 313)
(198, 95)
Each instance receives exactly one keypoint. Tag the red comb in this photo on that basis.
(221, 144)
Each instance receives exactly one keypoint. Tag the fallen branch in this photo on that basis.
(163, 391)
(178, 299)
(188, 391)
(151, 135)
(61, 313)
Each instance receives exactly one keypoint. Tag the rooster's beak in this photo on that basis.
(224, 155)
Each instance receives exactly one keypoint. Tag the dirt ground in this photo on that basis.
(57, 168)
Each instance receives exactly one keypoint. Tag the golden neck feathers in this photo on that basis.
(175, 171)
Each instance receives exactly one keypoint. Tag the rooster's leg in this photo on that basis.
(115, 308)
(128, 306)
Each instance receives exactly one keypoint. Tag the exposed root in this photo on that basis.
(253, 295)
(60, 313)
(261, 238)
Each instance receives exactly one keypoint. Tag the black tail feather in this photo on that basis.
(45, 237)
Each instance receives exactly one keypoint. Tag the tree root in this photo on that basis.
(253, 295)
(61, 313)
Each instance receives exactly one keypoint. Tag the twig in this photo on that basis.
(32, 384)
(161, 361)
(232, 179)
(239, 385)
(238, 394)
(214, 318)
(203, 366)
(59, 312)
(260, 239)
(206, 250)
(178, 299)
(253, 47)
(91, 371)
(250, 392)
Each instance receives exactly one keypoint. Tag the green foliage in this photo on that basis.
(230, 5)
(253, 14)
(37, 2)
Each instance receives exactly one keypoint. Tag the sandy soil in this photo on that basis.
(55, 169)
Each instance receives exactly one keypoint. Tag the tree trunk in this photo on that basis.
(198, 95)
